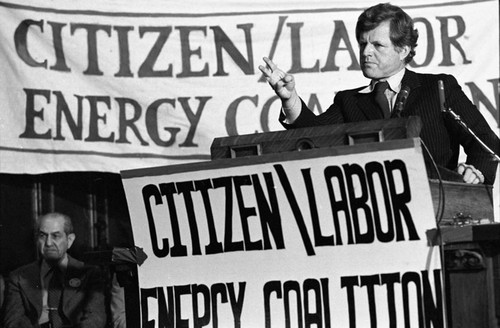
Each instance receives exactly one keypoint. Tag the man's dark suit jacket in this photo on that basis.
(82, 297)
(441, 135)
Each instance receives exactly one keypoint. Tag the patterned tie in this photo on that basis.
(381, 99)
(54, 298)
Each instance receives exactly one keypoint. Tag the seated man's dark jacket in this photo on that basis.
(82, 297)
(442, 135)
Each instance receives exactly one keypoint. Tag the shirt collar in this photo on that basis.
(394, 82)
(63, 264)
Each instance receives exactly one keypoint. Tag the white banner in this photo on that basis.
(325, 238)
(112, 85)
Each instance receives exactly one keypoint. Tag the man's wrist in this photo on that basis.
(291, 102)
(291, 108)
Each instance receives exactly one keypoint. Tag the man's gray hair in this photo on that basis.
(68, 225)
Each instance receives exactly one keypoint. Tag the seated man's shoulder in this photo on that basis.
(24, 269)
(75, 265)
(82, 276)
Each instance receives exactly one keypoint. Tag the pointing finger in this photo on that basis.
(272, 66)
(266, 71)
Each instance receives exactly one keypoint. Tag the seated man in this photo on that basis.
(57, 290)
(387, 42)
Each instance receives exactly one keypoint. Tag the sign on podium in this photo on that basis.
(331, 237)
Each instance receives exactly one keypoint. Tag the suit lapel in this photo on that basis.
(31, 285)
(411, 80)
(73, 282)
(370, 110)
(368, 107)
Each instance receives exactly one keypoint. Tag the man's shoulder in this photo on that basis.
(72, 262)
(350, 92)
(30, 267)
(428, 77)
(25, 272)
(79, 268)
(77, 265)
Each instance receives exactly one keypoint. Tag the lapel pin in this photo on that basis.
(75, 282)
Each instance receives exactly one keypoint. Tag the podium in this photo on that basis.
(327, 136)
(470, 239)
(473, 200)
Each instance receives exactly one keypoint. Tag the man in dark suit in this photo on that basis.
(387, 41)
(58, 290)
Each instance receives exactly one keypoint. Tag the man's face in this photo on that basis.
(379, 58)
(52, 241)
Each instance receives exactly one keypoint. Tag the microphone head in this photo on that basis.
(401, 101)
(403, 94)
(441, 96)
(405, 90)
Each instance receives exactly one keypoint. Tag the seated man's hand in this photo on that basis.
(470, 174)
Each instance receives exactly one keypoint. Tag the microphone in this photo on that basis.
(447, 110)
(401, 101)
(442, 101)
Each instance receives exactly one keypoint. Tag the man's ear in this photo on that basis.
(71, 239)
(403, 52)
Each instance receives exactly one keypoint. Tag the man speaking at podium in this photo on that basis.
(387, 41)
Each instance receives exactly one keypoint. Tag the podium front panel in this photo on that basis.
(331, 237)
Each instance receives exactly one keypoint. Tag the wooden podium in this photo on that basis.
(316, 137)
(470, 239)
(473, 200)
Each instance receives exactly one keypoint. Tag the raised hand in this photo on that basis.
(282, 83)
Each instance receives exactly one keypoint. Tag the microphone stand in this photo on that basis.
(457, 118)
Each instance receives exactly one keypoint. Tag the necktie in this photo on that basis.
(381, 99)
(54, 298)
